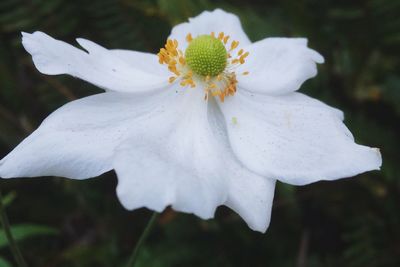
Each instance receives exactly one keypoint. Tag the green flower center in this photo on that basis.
(206, 56)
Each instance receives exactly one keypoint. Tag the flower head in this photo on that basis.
(207, 61)
(213, 119)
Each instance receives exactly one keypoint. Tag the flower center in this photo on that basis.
(209, 61)
(206, 56)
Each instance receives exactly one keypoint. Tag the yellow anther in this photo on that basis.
(242, 57)
(212, 86)
(234, 44)
(174, 71)
(221, 85)
(235, 61)
(170, 45)
(189, 38)
(226, 39)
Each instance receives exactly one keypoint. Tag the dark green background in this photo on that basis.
(352, 222)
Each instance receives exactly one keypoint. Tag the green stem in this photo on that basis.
(142, 239)
(11, 241)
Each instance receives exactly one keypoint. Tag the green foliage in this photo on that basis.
(353, 222)
(24, 231)
(8, 199)
(4, 263)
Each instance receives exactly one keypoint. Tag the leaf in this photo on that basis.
(8, 199)
(25, 231)
(4, 263)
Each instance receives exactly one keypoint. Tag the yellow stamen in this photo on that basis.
(222, 85)
(226, 39)
(212, 86)
(189, 38)
(245, 55)
(234, 44)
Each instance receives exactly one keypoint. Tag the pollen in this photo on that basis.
(209, 61)
(234, 120)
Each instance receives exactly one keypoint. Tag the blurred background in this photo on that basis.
(352, 222)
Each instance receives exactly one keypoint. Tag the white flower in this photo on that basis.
(224, 142)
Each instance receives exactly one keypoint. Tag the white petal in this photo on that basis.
(78, 140)
(278, 65)
(179, 156)
(173, 159)
(99, 66)
(294, 139)
(210, 21)
(251, 196)
(146, 62)
(150, 177)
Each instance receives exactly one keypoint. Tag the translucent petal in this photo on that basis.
(181, 157)
(294, 139)
(78, 140)
(251, 196)
(210, 21)
(99, 66)
(278, 66)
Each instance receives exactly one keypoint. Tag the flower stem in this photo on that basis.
(142, 239)
(11, 241)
